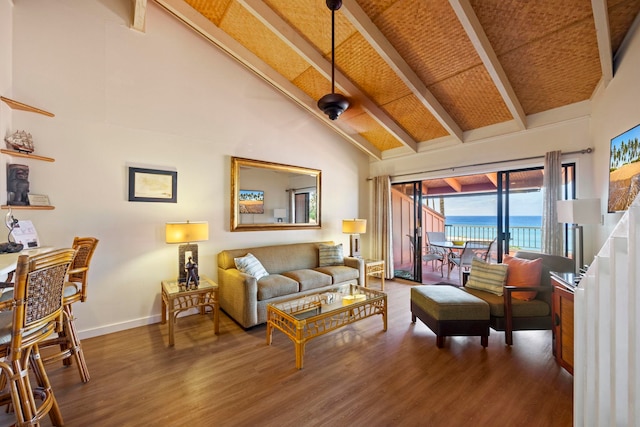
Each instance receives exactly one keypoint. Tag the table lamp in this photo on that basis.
(578, 212)
(187, 232)
(354, 227)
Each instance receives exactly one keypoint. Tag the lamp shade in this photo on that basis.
(185, 232)
(279, 213)
(354, 226)
(579, 211)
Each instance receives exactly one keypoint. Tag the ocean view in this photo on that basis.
(514, 221)
(525, 231)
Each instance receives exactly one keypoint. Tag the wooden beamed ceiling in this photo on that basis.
(421, 74)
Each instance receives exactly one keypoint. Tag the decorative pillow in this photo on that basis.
(330, 255)
(250, 265)
(523, 273)
(487, 277)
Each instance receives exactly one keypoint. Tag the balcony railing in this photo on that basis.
(529, 238)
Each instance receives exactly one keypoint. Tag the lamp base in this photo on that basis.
(354, 246)
(186, 252)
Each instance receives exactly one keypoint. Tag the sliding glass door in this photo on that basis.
(503, 205)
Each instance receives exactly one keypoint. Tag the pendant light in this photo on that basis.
(333, 104)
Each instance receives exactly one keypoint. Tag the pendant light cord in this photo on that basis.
(333, 50)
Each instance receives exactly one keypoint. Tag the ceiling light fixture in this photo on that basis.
(333, 104)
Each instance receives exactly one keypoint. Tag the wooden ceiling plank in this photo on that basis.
(493, 177)
(214, 34)
(603, 35)
(454, 184)
(288, 35)
(385, 49)
(139, 15)
(480, 41)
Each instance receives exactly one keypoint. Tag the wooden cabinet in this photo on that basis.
(15, 105)
(562, 307)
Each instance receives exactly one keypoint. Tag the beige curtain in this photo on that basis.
(381, 216)
(551, 229)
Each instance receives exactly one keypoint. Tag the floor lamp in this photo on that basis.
(578, 212)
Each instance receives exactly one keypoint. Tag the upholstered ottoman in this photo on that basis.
(449, 311)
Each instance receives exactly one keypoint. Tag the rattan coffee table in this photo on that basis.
(310, 316)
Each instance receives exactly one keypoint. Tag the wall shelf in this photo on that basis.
(25, 208)
(24, 107)
(26, 155)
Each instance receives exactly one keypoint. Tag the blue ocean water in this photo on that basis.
(525, 231)
(514, 221)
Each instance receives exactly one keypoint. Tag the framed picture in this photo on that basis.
(624, 169)
(251, 201)
(151, 185)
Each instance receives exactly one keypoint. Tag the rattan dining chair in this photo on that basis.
(28, 318)
(67, 342)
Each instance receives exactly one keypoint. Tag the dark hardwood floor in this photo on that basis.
(356, 376)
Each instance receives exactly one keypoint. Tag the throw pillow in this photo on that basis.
(330, 255)
(523, 272)
(487, 277)
(250, 265)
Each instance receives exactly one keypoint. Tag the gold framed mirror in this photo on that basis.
(273, 196)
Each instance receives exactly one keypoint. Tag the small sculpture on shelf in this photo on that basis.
(17, 185)
(192, 275)
(20, 141)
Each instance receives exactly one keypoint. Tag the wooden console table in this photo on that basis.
(562, 314)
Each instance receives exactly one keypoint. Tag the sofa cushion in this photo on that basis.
(339, 273)
(523, 273)
(250, 265)
(533, 308)
(309, 279)
(276, 285)
(330, 255)
(487, 277)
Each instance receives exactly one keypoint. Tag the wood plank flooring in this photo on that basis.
(356, 376)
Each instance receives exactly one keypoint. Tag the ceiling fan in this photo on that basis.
(333, 104)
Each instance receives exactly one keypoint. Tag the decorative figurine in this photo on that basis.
(192, 274)
(17, 185)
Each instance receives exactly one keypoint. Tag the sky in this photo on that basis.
(520, 204)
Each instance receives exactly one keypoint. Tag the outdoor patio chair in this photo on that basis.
(433, 253)
(472, 249)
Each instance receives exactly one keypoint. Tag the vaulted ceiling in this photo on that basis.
(421, 73)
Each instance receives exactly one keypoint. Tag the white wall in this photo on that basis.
(616, 109)
(165, 98)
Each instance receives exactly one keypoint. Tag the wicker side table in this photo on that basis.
(176, 300)
(375, 268)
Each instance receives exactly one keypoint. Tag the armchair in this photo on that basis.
(509, 313)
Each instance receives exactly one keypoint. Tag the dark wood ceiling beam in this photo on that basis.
(226, 43)
(480, 41)
(379, 42)
(317, 60)
(603, 35)
(139, 15)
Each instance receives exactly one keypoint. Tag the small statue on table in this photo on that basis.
(192, 275)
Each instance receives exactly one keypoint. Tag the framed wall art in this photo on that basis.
(624, 170)
(152, 185)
